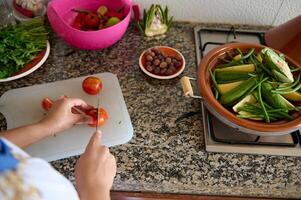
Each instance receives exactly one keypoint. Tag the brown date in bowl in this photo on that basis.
(162, 62)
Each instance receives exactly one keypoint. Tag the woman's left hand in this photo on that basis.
(60, 117)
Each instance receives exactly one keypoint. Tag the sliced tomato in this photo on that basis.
(92, 85)
(103, 116)
(91, 20)
(47, 103)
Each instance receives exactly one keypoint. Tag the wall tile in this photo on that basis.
(289, 10)
(259, 12)
(255, 12)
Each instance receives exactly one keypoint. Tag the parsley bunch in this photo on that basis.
(20, 44)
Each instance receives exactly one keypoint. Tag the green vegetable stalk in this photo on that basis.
(20, 44)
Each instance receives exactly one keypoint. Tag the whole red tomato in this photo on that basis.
(47, 103)
(91, 20)
(103, 116)
(92, 85)
(79, 21)
(77, 25)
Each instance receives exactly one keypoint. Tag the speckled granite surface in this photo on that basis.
(165, 155)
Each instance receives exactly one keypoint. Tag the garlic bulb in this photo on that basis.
(36, 6)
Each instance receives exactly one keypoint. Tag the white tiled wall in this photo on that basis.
(290, 9)
(258, 12)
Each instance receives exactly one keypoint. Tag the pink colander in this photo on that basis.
(61, 16)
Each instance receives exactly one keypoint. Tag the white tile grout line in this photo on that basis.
(277, 13)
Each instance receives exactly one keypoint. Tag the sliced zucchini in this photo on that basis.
(229, 76)
(233, 95)
(250, 99)
(237, 57)
(249, 68)
(223, 88)
(247, 113)
(288, 104)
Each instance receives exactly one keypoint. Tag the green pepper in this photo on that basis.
(273, 99)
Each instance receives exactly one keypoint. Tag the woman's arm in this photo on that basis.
(59, 118)
(95, 171)
(27, 135)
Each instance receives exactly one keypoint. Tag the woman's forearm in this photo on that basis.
(27, 135)
(96, 195)
(58, 119)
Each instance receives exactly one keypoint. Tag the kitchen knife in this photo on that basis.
(97, 107)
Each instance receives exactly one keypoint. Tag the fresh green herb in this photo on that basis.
(20, 44)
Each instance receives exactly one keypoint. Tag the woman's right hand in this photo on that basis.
(95, 171)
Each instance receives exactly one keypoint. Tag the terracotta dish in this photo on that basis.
(286, 38)
(253, 127)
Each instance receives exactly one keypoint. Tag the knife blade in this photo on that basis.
(97, 107)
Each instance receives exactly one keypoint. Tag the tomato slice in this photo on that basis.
(103, 116)
(47, 103)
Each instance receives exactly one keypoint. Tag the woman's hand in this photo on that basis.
(60, 117)
(95, 171)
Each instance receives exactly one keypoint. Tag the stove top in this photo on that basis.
(220, 137)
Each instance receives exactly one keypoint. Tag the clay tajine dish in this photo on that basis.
(249, 126)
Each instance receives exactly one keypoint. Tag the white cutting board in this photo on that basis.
(23, 106)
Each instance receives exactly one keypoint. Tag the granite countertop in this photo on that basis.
(165, 155)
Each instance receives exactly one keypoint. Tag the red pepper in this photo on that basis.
(136, 12)
(23, 11)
